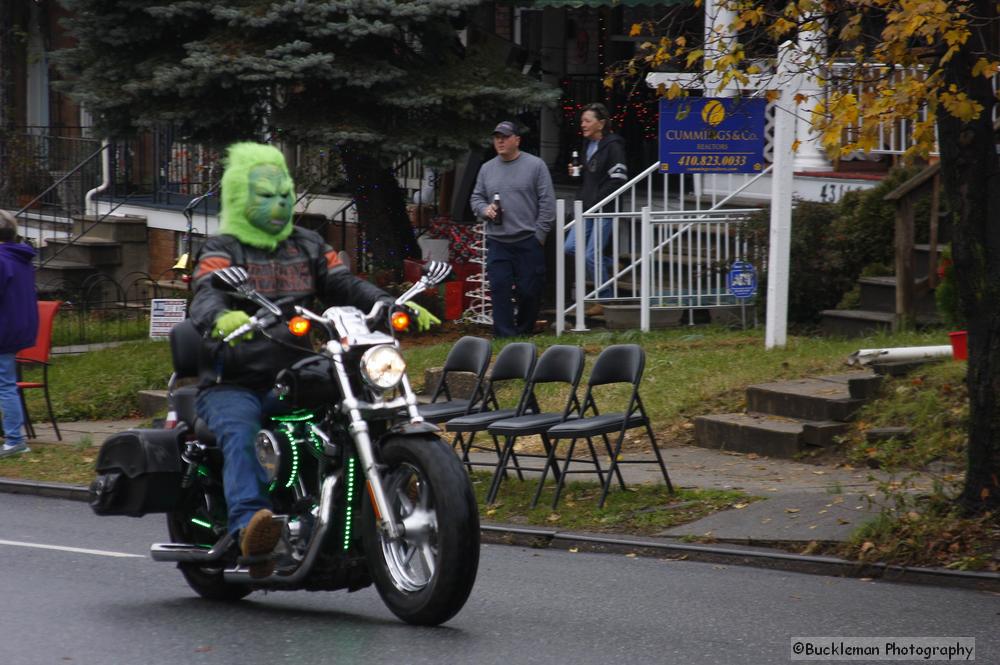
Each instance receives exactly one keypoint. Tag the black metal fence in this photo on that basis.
(100, 309)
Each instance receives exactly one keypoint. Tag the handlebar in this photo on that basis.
(252, 324)
(269, 314)
(235, 279)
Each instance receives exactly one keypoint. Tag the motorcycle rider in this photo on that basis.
(256, 231)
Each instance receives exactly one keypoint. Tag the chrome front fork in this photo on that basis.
(358, 428)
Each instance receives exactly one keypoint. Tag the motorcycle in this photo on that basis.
(367, 491)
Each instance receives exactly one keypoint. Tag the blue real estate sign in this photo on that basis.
(712, 135)
(742, 280)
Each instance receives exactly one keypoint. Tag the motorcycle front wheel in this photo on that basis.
(425, 576)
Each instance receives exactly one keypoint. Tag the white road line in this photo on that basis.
(79, 550)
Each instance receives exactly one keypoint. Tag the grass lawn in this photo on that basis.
(640, 509)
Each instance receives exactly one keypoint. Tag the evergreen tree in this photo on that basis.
(377, 79)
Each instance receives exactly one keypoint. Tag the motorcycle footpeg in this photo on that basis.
(253, 559)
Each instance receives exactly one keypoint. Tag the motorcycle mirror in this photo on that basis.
(231, 278)
(436, 272)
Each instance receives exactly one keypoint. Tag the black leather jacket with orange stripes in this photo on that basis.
(303, 267)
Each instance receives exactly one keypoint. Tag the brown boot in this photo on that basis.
(259, 539)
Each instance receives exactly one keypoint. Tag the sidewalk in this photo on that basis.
(799, 502)
(85, 431)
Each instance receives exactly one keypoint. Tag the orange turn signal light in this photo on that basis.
(400, 321)
(299, 326)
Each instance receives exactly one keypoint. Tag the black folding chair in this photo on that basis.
(621, 363)
(559, 364)
(514, 362)
(469, 354)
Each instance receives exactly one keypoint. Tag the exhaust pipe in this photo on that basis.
(185, 553)
(241, 575)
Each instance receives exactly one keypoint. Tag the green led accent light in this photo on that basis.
(349, 503)
(201, 523)
(202, 471)
(297, 417)
(289, 431)
(316, 441)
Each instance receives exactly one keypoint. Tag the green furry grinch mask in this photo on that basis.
(258, 196)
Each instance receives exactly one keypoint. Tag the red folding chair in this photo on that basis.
(38, 355)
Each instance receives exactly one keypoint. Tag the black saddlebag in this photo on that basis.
(138, 472)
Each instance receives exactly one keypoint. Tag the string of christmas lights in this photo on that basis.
(645, 112)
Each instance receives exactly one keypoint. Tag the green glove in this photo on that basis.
(229, 321)
(424, 318)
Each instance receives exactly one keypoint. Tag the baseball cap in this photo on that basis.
(507, 128)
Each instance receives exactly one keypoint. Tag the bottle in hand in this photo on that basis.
(496, 205)
(576, 166)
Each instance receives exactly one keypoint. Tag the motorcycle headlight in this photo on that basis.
(382, 367)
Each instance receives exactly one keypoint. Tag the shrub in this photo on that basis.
(832, 245)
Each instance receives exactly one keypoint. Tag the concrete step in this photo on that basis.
(785, 418)
(861, 323)
(460, 384)
(854, 323)
(89, 251)
(878, 294)
(120, 228)
(626, 316)
(860, 384)
(58, 274)
(152, 403)
(823, 399)
(764, 434)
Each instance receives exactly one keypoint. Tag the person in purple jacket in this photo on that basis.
(18, 327)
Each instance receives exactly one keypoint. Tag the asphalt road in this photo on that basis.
(97, 607)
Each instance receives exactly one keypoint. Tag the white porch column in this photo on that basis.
(718, 41)
(37, 93)
(812, 48)
(775, 333)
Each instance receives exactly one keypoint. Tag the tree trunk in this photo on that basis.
(971, 175)
(387, 234)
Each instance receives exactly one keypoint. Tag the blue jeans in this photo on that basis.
(10, 401)
(516, 270)
(235, 415)
(607, 263)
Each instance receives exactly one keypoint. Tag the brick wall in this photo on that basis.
(162, 253)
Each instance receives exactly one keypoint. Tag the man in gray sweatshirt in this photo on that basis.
(514, 195)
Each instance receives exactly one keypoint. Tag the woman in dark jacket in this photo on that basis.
(604, 171)
(18, 328)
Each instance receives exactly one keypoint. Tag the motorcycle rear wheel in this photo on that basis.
(426, 576)
(207, 581)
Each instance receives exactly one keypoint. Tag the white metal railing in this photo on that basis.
(891, 138)
(692, 239)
